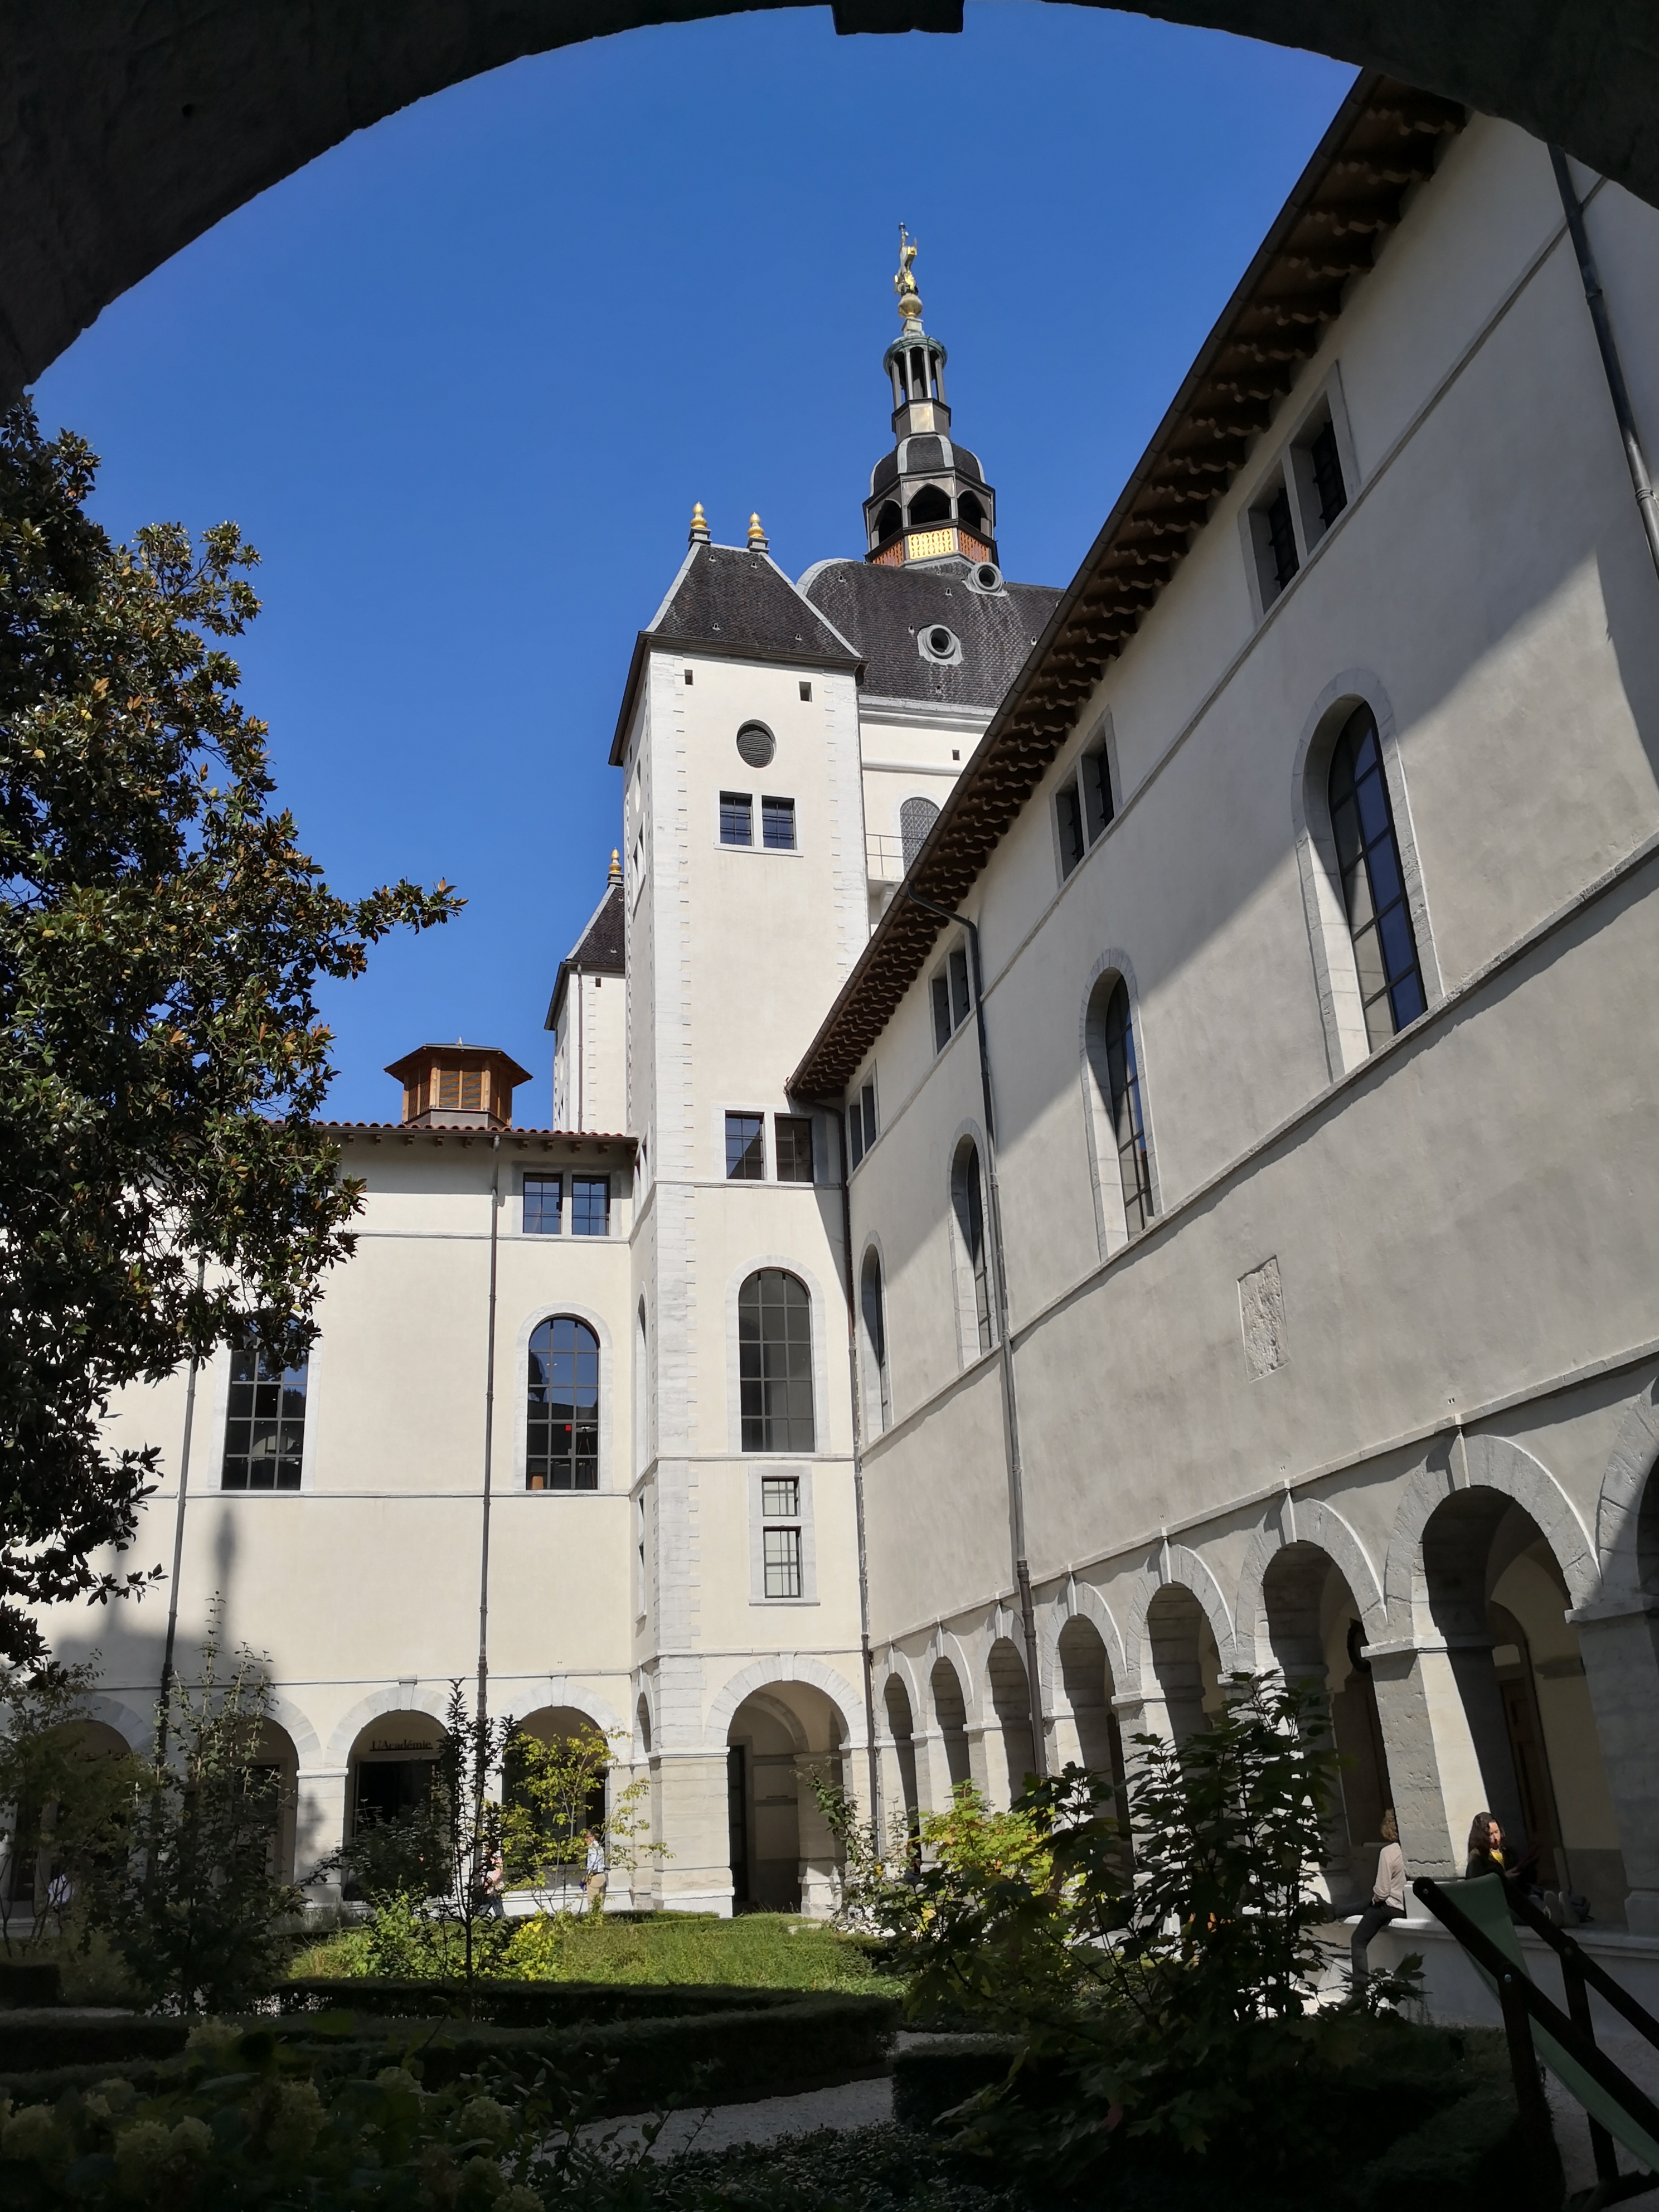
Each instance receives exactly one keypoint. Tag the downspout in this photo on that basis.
(177, 1545)
(582, 1058)
(1009, 1398)
(489, 1446)
(1596, 299)
(870, 1752)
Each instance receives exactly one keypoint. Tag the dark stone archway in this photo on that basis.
(128, 127)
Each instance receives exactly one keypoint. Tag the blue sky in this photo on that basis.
(461, 380)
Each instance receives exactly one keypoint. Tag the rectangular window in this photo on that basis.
(780, 1497)
(1281, 539)
(544, 1201)
(449, 1089)
(867, 1101)
(778, 825)
(960, 1001)
(1096, 780)
(265, 1424)
(794, 1136)
(854, 1134)
(1069, 810)
(472, 1089)
(737, 818)
(782, 1558)
(805, 690)
(745, 1148)
(1328, 487)
(589, 1205)
(943, 1024)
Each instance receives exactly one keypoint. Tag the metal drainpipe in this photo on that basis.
(1595, 300)
(1010, 1399)
(488, 1443)
(177, 1545)
(871, 1755)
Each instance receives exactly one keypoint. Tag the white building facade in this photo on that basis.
(1105, 1136)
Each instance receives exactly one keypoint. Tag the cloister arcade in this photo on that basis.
(1492, 1653)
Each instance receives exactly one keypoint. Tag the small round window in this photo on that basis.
(756, 744)
(937, 643)
(987, 577)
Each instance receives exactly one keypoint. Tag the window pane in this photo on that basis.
(737, 818)
(1097, 791)
(782, 1559)
(543, 1195)
(745, 1148)
(589, 1205)
(561, 1413)
(1124, 1075)
(867, 1101)
(854, 1133)
(942, 1024)
(1328, 475)
(780, 1497)
(1407, 999)
(794, 1133)
(959, 999)
(774, 1364)
(1384, 947)
(1070, 813)
(1383, 866)
(264, 1431)
(1281, 537)
(778, 825)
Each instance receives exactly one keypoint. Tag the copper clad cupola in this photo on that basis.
(928, 500)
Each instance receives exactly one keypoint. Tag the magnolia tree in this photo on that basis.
(164, 1187)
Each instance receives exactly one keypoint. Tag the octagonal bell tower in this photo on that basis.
(929, 498)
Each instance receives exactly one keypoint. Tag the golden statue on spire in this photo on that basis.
(909, 302)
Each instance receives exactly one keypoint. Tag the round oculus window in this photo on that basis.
(937, 643)
(988, 576)
(756, 744)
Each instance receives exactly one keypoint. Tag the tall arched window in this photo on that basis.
(1373, 882)
(561, 1438)
(916, 817)
(968, 1201)
(1122, 1088)
(878, 1391)
(774, 1363)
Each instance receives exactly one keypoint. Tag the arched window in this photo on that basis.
(930, 505)
(889, 521)
(968, 1201)
(1373, 882)
(774, 1363)
(969, 512)
(561, 1436)
(879, 1397)
(1117, 1066)
(916, 817)
(641, 1394)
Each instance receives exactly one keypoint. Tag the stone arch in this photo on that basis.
(779, 1668)
(1487, 1462)
(1620, 1551)
(1174, 1563)
(948, 1705)
(1303, 1520)
(1081, 1600)
(138, 1730)
(1009, 1694)
(1084, 1674)
(898, 1711)
(390, 1698)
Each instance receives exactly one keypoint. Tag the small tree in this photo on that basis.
(194, 1909)
(66, 1804)
(556, 1796)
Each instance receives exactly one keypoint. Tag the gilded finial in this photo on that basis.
(699, 532)
(756, 535)
(909, 301)
(615, 877)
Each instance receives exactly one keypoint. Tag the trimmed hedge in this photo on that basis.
(730, 2056)
(935, 2073)
(519, 2004)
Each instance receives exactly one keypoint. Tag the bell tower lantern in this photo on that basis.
(928, 500)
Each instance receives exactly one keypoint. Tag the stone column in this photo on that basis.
(820, 1859)
(1620, 1651)
(692, 1790)
(1441, 1719)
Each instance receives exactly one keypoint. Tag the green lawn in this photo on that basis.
(757, 1950)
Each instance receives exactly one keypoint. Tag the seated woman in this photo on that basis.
(1490, 1853)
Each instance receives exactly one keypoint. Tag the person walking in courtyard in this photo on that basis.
(595, 1887)
(1387, 1900)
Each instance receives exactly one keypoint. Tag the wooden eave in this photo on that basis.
(1384, 138)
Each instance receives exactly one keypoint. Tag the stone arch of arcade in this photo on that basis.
(128, 133)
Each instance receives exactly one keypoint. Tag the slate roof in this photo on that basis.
(728, 600)
(881, 611)
(1383, 140)
(602, 950)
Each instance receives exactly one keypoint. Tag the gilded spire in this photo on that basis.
(615, 875)
(756, 535)
(699, 532)
(909, 301)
